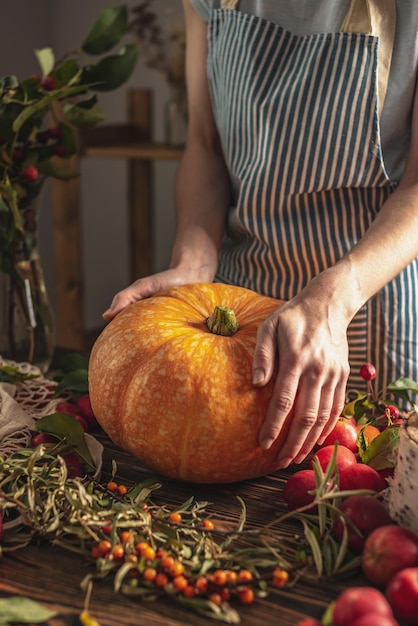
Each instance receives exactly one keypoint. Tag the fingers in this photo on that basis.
(264, 354)
(142, 288)
(318, 403)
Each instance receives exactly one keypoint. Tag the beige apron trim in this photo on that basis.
(375, 17)
(229, 4)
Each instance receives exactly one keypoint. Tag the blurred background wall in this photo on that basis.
(26, 25)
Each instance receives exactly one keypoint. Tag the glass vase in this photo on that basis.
(26, 318)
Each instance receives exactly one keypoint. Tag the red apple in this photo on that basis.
(66, 407)
(40, 438)
(309, 621)
(387, 550)
(344, 433)
(82, 421)
(402, 593)
(296, 490)
(366, 513)
(85, 409)
(355, 602)
(344, 456)
(360, 476)
(74, 465)
(386, 473)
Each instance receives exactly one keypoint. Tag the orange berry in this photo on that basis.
(161, 579)
(188, 591)
(149, 574)
(246, 595)
(122, 489)
(245, 576)
(175, 517)
(215, 598)
(201, 584)
(225, 594)
(176, 569)
(125, 536)
(231, 577)
(141, 547)
(208, 524)
(143, 506)
(161, 553)
(131, 558)
(280, 577)
(148, 554)
(95, 552)
(167, 562)
(118, 552)
(220, 577)
(180, 582)
(104, 547)
(112, 486)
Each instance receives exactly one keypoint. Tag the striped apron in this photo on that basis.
(298, 118)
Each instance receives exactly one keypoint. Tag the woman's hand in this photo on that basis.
(305, 342)
(145, 288)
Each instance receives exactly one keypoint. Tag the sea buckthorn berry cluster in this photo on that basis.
(165, 570)
(115, 488)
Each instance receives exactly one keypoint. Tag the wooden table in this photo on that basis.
(52, 576)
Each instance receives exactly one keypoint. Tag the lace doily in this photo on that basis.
(23, 403)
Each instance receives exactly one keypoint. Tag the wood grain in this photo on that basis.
(52, 575)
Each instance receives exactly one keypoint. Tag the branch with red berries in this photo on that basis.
(38, 116)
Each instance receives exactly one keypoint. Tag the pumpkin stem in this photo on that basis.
(223, 321)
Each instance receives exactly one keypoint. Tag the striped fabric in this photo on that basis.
(298, 120)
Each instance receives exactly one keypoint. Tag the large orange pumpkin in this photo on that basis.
(178, 396)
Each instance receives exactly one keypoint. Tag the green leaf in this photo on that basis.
(76, 382)
(46, 60)
(47, 168)
(69, 72)
(112, 71)
(67, 429)
(42, 105)
(379, 453)
(8, 82)
(16, 609)
(9, 374)
(73, 361)
(401, 386)
(81, 116)
(107, 30)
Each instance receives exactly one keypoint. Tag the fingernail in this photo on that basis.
(266, 443)
(284, 462)
(258, 376)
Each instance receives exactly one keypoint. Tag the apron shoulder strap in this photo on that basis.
(375, 17)
(229, 4)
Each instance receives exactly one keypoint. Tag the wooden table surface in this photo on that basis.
(52, 576)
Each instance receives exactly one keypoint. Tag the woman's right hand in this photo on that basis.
(145, 288)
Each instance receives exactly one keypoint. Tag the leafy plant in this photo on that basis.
(38, 116)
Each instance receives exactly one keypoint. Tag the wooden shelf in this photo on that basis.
(147, 152)
(131, 141)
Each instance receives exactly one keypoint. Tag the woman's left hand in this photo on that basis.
(305, 342)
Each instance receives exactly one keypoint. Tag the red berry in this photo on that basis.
(42, 137)
(393, 411)
(55, 132)
(368, 371)
(30, 174)
(18, 154)
(48, 83)
(60, 150)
